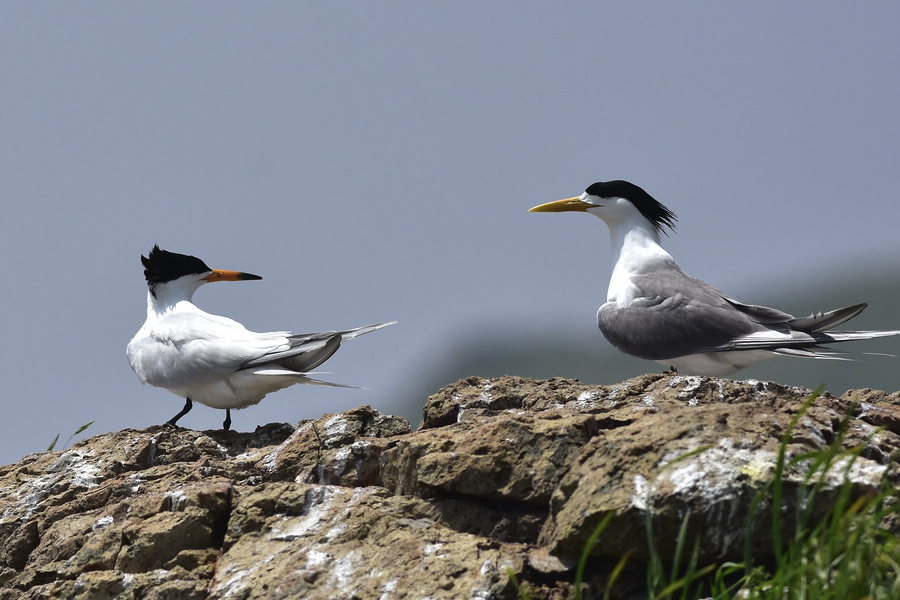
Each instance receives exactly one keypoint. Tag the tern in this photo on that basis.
(215, 360)
(655, 311)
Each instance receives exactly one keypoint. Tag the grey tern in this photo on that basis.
(655, 311)
(215, 360)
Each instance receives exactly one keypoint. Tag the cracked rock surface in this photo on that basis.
(504, 475)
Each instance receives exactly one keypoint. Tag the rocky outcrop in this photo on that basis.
(506, 475)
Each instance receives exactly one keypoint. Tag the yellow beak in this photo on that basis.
(566, 204)
(220, 275)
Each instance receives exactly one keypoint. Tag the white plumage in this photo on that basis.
(212, 359)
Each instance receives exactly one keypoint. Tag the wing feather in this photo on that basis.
(677, 315)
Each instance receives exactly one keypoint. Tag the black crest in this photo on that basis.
(650, 207)
(161, 266)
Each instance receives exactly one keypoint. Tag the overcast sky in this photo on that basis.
(375, 161)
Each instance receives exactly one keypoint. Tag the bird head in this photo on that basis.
(162, 267)
(616, 202)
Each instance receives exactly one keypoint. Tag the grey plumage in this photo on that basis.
(709, 321)
(309, 350)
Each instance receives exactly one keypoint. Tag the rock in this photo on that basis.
(329, 542)
(505, 475)
(702, 450)
(336, 449)
(509, 458)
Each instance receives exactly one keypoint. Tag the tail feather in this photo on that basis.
(349, 334)
(823, 352)
(303, 378)
(776, 341)
(820, 352)
(849, 336)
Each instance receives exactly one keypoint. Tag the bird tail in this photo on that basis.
(849, 336)
(820, 352)
(349, 334)
(303, 378)
(818, 326)
(824, 352)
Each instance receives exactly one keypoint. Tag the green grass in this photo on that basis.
(839, 553)
(845, 554)
(81, 429)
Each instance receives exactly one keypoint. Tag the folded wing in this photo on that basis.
(677, 315)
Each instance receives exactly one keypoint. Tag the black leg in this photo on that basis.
(227, 424)
(188, 405)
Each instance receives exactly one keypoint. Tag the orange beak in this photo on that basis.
(220, 275)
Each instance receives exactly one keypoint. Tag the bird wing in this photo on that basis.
(676, 315)
(306, 351)
(803, 334)
(825, 321)
(300, 354)
(760, 314)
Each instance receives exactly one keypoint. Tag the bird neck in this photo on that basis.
(636, 250)
(163, 297)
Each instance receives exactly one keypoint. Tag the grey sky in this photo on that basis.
(375, 161)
